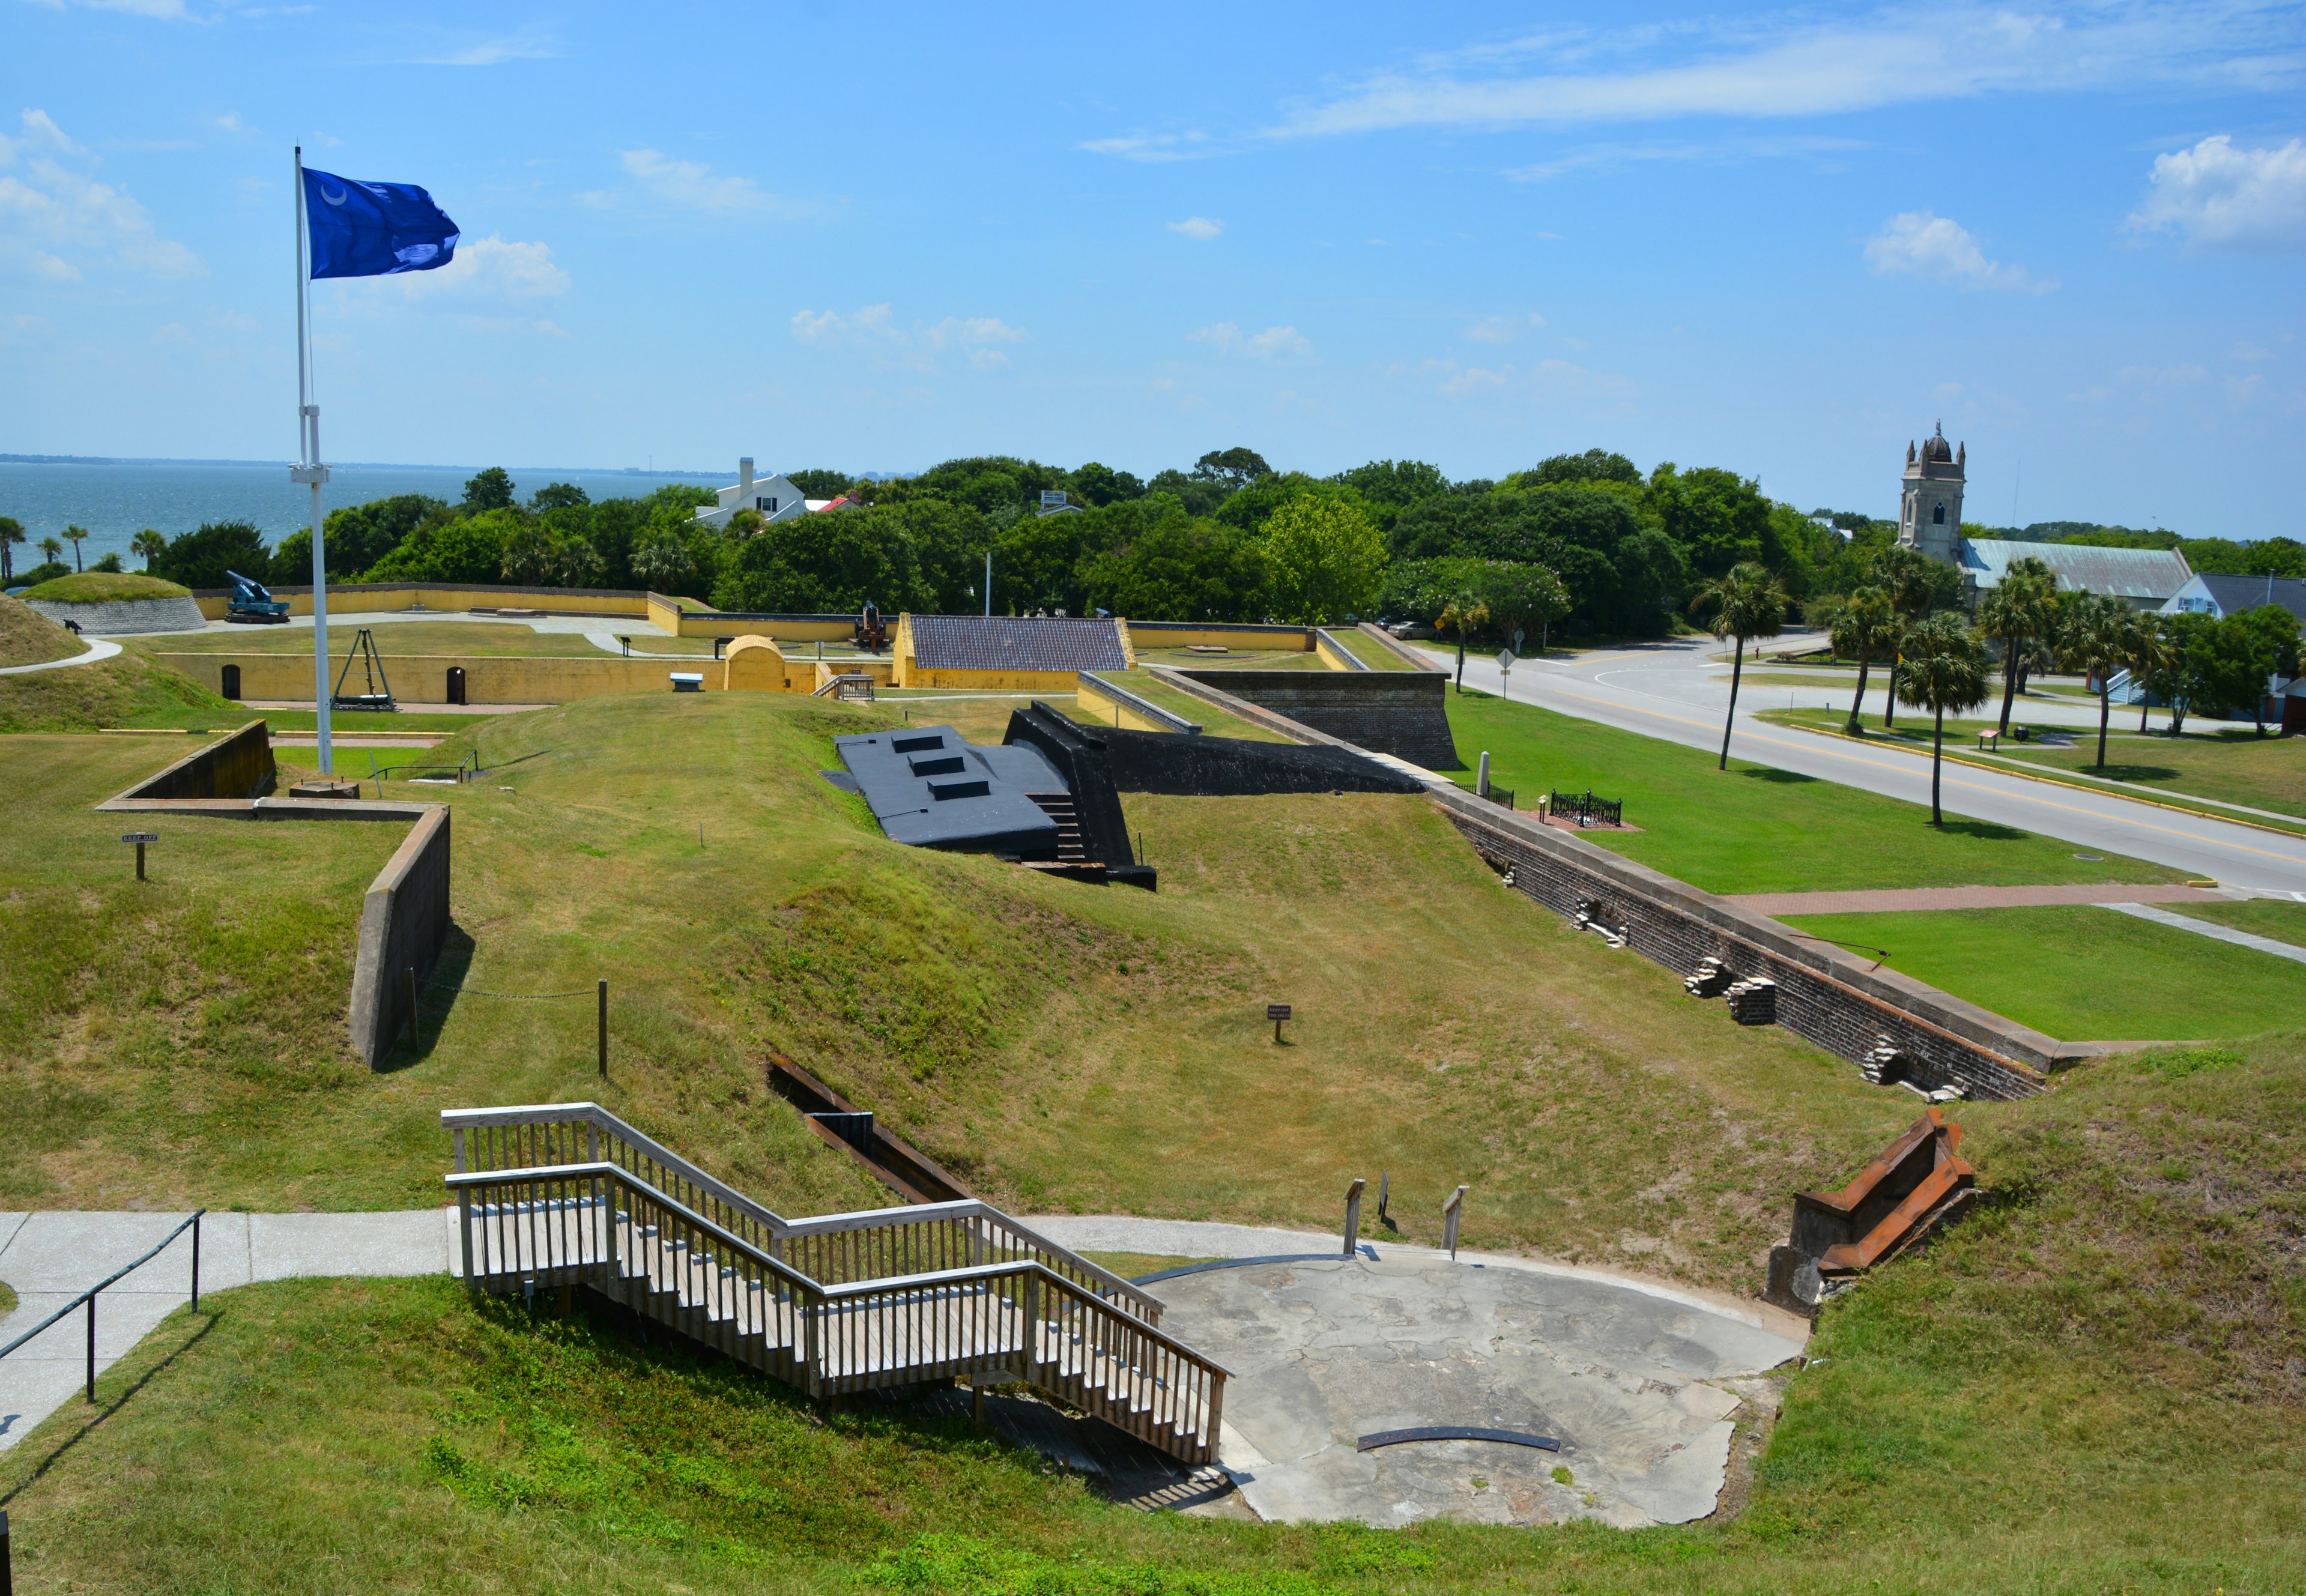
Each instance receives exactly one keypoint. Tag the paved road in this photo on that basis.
(1672, 690)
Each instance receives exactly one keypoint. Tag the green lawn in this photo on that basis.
(1212, 721)
(1754, 829)
(1368, 650)
(2084, 974)
(1239, 659)
(104, 587)
(124, 690)
(2088, 1385)
(2234, 766)
(28, 637)
(2278, 918)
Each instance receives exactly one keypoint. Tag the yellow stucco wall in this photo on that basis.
(424, 678)
(1333, 655)
(1239, 637)
(757, 664)
(711, 623)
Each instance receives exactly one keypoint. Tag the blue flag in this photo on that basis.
(373, 229)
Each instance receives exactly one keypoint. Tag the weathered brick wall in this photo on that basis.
(1824, 996)
(1398, 712)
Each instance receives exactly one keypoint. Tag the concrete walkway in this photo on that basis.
(1892, 900)
(50, 1257)
(2215, 933)
(97, 649)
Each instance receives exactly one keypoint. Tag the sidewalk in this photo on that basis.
(1891, 900)
(50, 1257)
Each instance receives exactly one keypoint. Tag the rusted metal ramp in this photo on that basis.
(1918, 1184)
(569, 1194)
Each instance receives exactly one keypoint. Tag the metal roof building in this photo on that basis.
(2221, 596)
(1035, 653)
(2149, 578)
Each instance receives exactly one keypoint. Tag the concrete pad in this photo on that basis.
(1326, 1352)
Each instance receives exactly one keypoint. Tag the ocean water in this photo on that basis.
(116, 501)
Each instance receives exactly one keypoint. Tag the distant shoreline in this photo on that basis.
(340, 465)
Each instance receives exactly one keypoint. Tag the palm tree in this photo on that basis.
(2153, 653)
(1746, 602)
(11, 533)
(2023, 607)
(1908, 576)
(50, 549)
(1945, 668)
(74, 534)
(1866, 626)
(147, 546)
(1461, 612)
(2096, 639)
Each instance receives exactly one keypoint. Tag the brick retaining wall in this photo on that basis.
(1825, 995)
(1398, 712)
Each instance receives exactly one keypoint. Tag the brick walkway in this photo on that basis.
(1781, 904)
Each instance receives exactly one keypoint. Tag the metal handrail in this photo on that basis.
(88, 1296)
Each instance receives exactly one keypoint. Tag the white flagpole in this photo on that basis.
(310, 470)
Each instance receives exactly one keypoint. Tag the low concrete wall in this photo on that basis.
(238, 766)
(1117, 705)
(424, 678)
(126, 618)
(1825, 995)
(454, 598)
(404, 925)
(1398, 712)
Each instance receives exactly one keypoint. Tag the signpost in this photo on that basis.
(141, 839)
(1505, 670)
(1276, 1012)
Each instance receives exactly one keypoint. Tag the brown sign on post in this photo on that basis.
(141, 838)
(1276, 1012)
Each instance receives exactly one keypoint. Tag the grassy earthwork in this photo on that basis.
(2093, 1383)
(461, 635)
(1754, 829)
(104, 587)
(28, 637)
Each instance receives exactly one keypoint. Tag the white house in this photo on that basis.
(2220, 596)
(774, 497)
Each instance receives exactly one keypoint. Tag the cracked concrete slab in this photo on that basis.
(1326, 1352)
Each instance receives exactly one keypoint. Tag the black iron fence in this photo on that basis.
(1587, 809)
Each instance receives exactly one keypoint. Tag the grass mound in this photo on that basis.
(127, 689)
(2096, 1382)
(106, 587)
(28, 637)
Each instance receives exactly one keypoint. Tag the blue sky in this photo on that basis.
(1783, 241)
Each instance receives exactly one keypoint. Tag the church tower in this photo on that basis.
(1929, 510)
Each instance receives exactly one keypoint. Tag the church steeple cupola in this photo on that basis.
(1929, 508)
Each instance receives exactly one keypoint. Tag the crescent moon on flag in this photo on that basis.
(336, 199)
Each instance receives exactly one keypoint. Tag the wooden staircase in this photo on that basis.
(569, 1194)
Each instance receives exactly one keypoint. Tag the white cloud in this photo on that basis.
(692, 185)
(1918, 243)
(529, 44)
(170, 10)
(1274, 344)
(489, 270)
(1893, 56)
(1154, 147)
(1503, 329)
(1604, 157)
(2221, 197)
(1201, 228)
(56, 217)
(871, 332)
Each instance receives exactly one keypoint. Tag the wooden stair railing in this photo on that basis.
(868, 1244)
(601, 1223)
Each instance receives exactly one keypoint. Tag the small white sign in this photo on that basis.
(1052, 498)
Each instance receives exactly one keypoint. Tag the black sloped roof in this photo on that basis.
(1016, 643)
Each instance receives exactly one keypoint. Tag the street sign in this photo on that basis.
(1518, 636)
(140, 837)
(1505, 659)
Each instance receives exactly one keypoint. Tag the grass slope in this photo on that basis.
(1064, 1047)
(124, 690)
(104, 587)
(2096, 1382)
(1754, 829)
(2084, 974)
(397, 639)
(2279, 919)
(28, 637)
